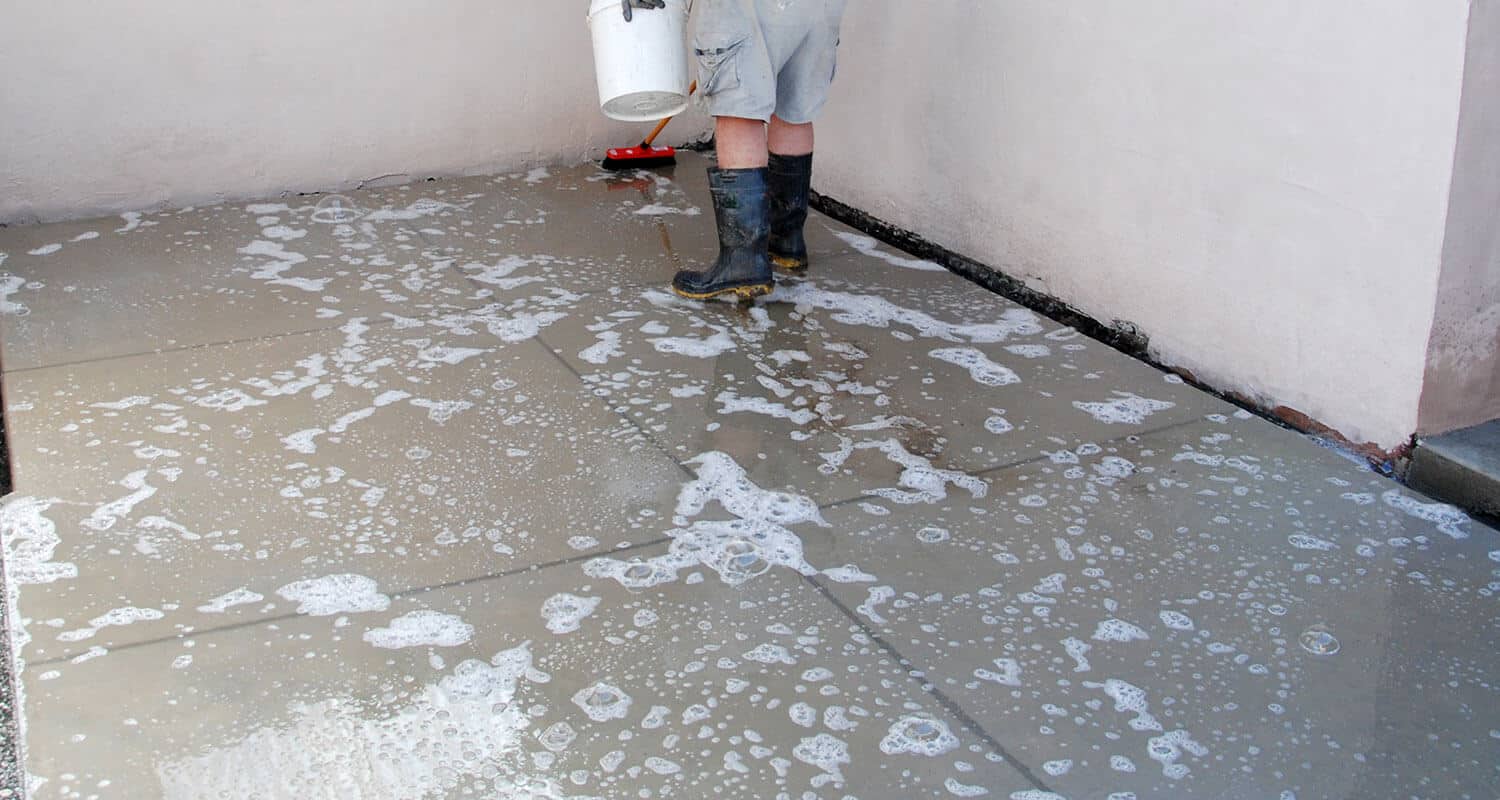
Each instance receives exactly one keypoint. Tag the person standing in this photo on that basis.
(765, 68)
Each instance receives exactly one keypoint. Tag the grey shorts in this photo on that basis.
(762, 57)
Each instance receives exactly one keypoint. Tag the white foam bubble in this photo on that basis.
(105, 516)
(499, 273)
(877, 596)
(123, 403)
(984, 371)
(603, 350)
(421, 629)
(958, 789)
(132, 221)
(45, 250)
(115, 617)
(827, 753)
(877, 312)
(1448, 518)
(709, 347)
(1176, 620)
(998, 424)
(1059, 767)
(565, 612)
(659, 210)
(1029, 350)
(1118, 630)
(1129, 699)
(31, 541)
(335, 594)
(1305, 542)
(439, 354)
(1077, 649)
(9, 285)
(919, 736)
(439, 411)
(603, 702)
(1169, 747)
(231, 400)
(224, 602)
(720, 478)
(274, 262)
(730, 402)
(283, 232)
(933, 535)
(920, 481)
(870, 247)
(768, 653)
(662, 766)
(1007, 672)
(424, 207)
(336, 750)
(522, 325)
(1124, 409)
(848, 574)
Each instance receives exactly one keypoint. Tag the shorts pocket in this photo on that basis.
(718, 62)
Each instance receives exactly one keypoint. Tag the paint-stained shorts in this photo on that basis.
(762, 57)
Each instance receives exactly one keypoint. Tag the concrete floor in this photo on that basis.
(455, 501)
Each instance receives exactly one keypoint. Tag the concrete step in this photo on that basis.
(1462, 467)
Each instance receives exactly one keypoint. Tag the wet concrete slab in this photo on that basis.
(439, 493)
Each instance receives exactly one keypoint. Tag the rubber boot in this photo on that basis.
(791, 183)
(742, 211)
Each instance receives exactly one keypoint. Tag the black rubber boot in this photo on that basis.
(791, 183)
(742, 210)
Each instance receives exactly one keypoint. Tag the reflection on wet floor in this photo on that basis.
(434, 492)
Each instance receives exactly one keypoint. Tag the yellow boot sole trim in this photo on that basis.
(744, 292)
(789, 264)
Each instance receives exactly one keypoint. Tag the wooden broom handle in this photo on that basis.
(661, 126)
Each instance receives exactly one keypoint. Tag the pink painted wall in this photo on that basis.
(109, 107)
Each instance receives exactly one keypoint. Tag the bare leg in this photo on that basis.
(787, 139)
(741, 142)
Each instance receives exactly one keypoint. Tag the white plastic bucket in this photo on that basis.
(641, 65)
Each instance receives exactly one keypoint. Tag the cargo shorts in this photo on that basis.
(762, 57)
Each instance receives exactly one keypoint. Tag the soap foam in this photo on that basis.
(565, 612)
(984, 371)
(224, 602)
(877, 312)
(457, 727)
(869, 247)
(710, 347)
(918, 736)
(421, 629)
(1448, 518)
(1118, 630)
(335, 594)
(1124, 409)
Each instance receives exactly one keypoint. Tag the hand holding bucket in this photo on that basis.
(631, 5)
(640, 59)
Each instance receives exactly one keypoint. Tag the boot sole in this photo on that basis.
(789, 264)
(743, 292)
